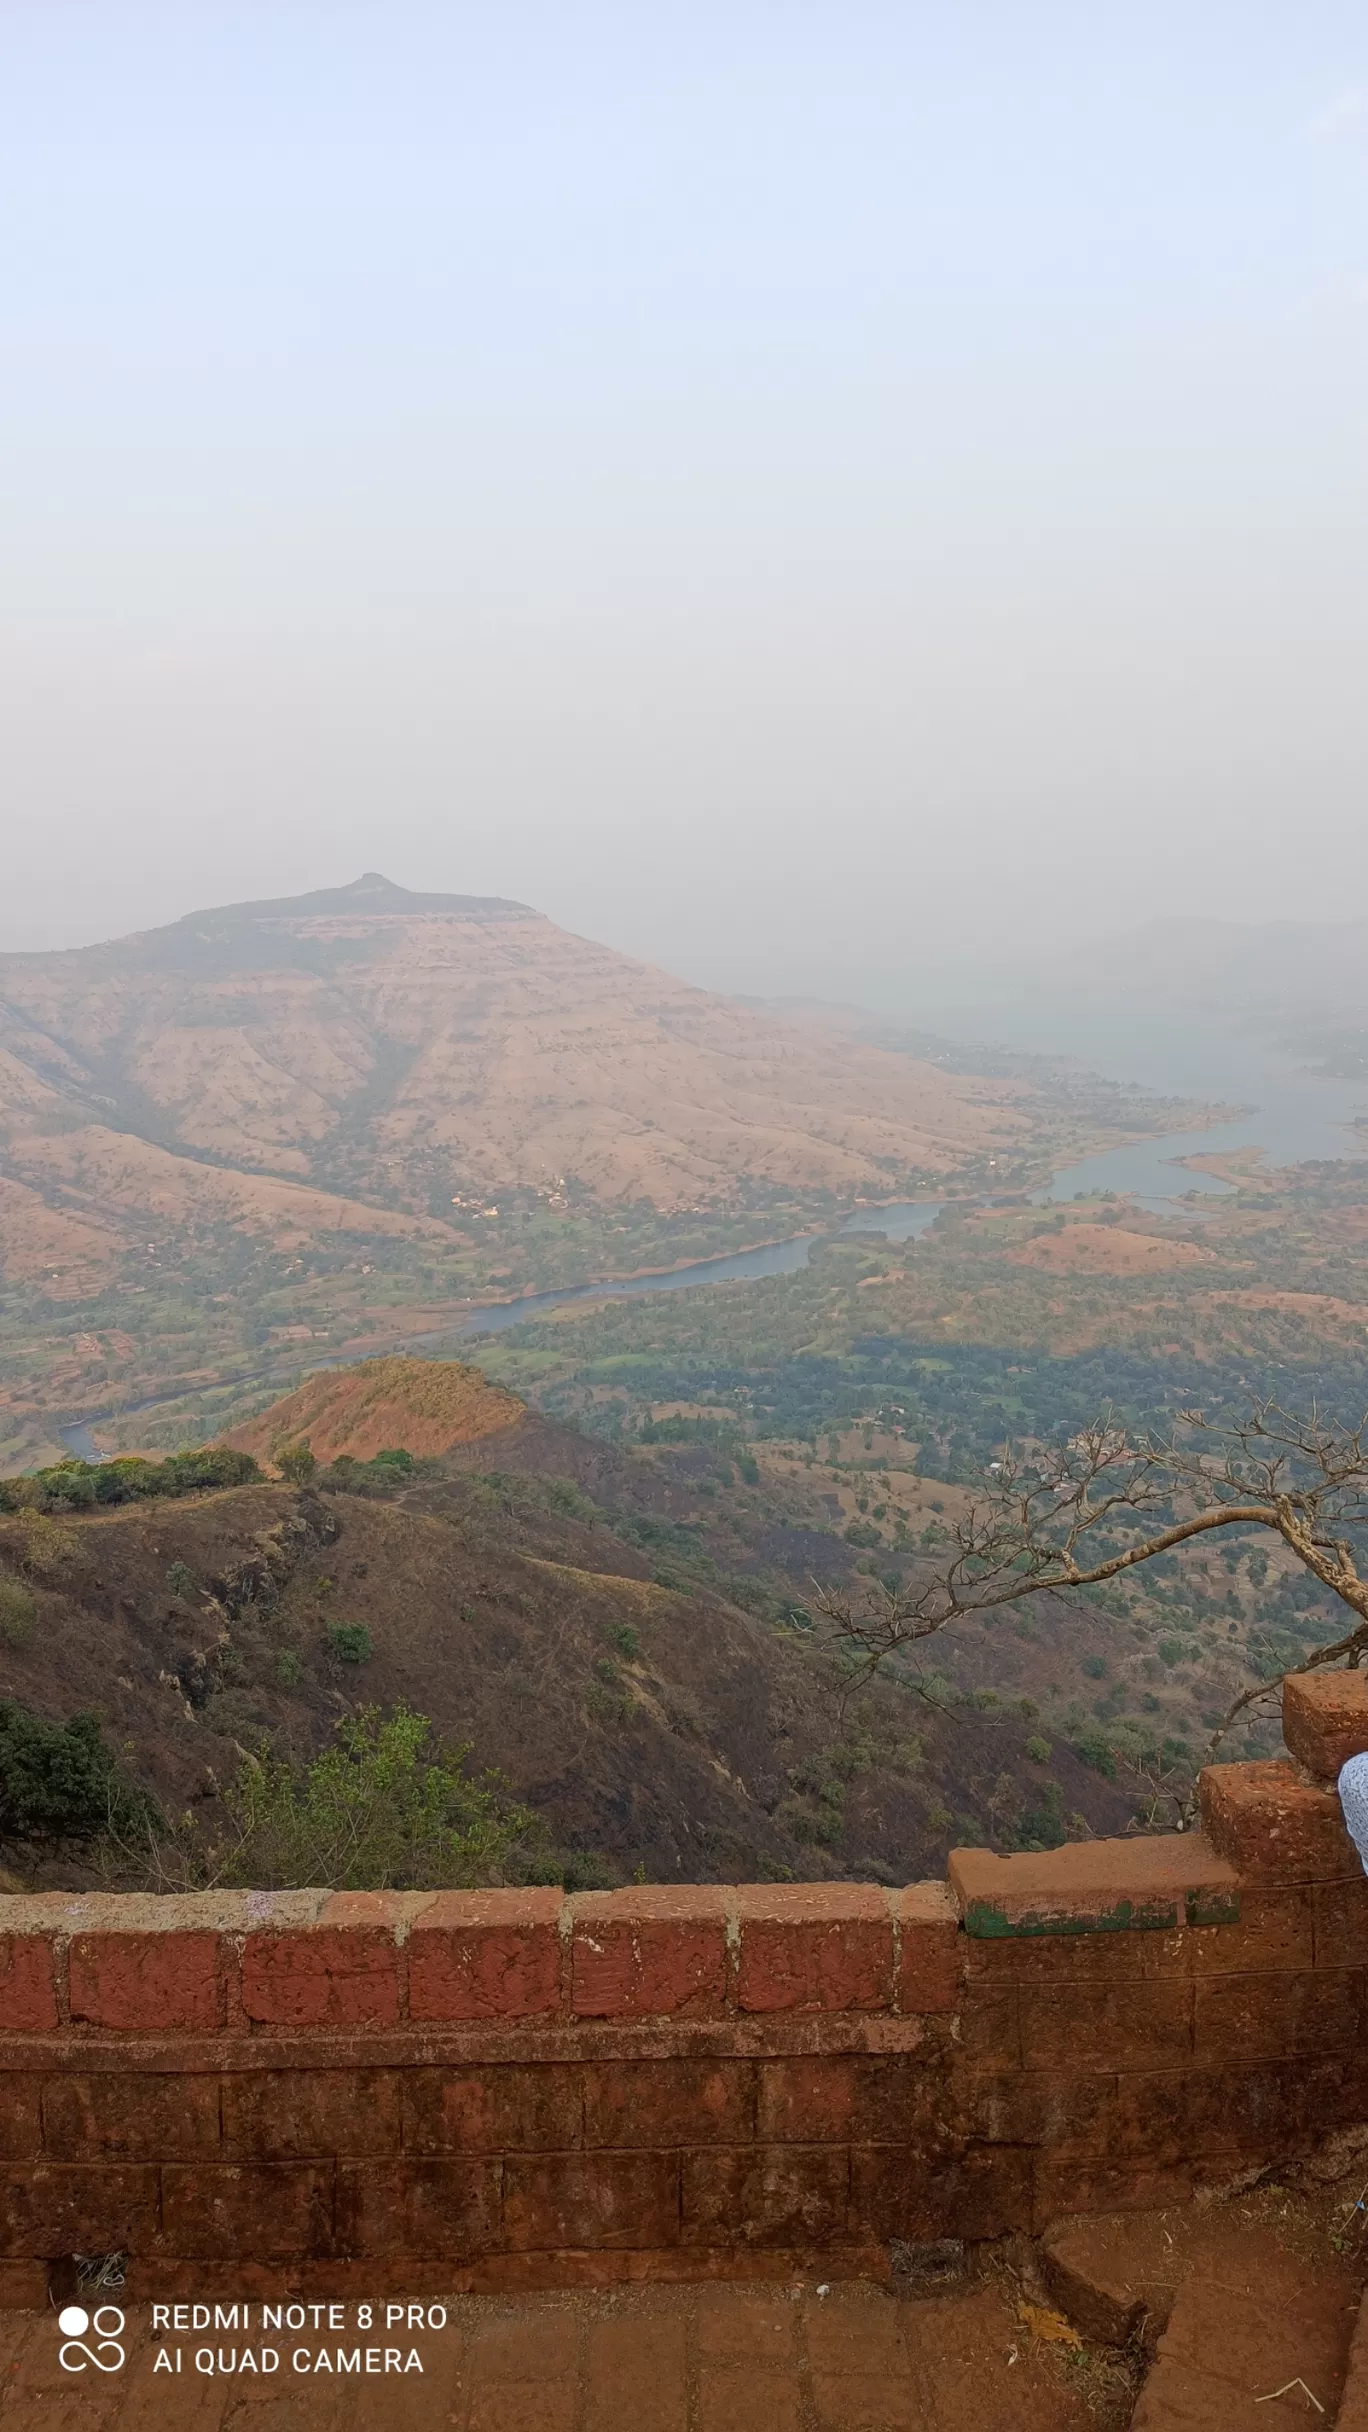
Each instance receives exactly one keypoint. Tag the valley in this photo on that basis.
(753, 1326)
(279, 1133)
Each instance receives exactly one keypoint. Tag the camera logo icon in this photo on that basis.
(106, 2324)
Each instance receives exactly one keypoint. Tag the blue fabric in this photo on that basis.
(1353, 1793)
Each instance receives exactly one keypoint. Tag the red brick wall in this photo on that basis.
(489, 2089)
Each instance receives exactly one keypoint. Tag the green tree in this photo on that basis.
(58, 1781)
(386, 1807)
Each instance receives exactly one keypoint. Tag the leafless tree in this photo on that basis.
(1080, 1516)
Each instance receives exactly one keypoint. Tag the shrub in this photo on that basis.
(80, 1485)
(296, 1463)
(18, 1613)
(58, 1781)
(351, 1642)
(385, 1807)
(38, 1546)
(384, 1475)
(1096, 1749)
(625, 1639)
(180, 1580)
(1043, 1827)
(1038, 1749)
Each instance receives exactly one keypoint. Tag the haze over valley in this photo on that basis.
(684, 886)
(247, 1159)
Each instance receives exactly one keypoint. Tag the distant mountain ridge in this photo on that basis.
(310, 1063)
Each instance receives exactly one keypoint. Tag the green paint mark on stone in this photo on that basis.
(1213, 1908)
(987, 1922)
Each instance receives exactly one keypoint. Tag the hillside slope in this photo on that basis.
(421, 1406)
(546, 1599)
(403, 1050)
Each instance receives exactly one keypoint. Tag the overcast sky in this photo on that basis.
(784, 488)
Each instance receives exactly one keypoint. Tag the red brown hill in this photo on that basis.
(426, 1407)
(354, 1059)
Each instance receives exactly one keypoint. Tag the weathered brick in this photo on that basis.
(526, 2108)
(1151, 1884)
(1065, 2185)
(808, 2100)
(1268, 2017)
(669, 2102)
(78, 2208)
(989, 2024)
(640, 2384)
(1120, 2026)
(222, 2211)
(648, 1953)
(28, 1998)
(322, 1976)
(1260, 2110)
(1276, 1932)
(857, 2329)
(1043, 2107)
(729, 2395)
(21, 2119)
(867, 2402)
(24, 2287)
(298, 2115)
(928, 1971)
(1071, 1959)
(393, 1912)
(809, 1946)
(600, 2200)
(148, 1981)
(1273, 1823)
(524, 2347)
(984, 2192)
(747, 2326)
(138, 2116)
(490, 1954)
(442, 2210)
(766, 2195)
(1325, 1719)
(1339, 1914)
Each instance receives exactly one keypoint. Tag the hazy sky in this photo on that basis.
(785, 488)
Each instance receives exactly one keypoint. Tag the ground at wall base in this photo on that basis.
(732, 2359)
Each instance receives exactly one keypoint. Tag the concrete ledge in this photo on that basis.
(1096, 1887)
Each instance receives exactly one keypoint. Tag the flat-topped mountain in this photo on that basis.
(277, 1065)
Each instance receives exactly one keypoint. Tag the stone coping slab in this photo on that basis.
(1325, 1719)
(1150, 1884)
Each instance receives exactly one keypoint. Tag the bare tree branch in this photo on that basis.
(1051, 1520)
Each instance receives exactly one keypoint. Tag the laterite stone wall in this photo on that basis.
(360, 2092)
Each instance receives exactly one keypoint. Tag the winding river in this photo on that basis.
(1293, 1116)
